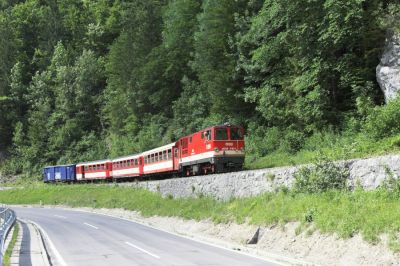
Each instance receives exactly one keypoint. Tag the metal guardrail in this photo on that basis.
(7, 220)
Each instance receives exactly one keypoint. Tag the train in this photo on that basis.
(216, 149)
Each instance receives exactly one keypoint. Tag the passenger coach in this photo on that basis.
(98, 170)
(128, 166)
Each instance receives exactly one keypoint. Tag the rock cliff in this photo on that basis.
(388, 71)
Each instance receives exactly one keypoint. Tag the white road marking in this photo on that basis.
(59, 216)
(58, 258)
(145, 251)
(91, 225)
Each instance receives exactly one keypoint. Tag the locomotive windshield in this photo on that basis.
(221, 134)
(236, 134)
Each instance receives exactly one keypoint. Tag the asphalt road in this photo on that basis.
(83, 238)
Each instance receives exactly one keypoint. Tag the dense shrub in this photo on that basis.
(322, 176)
(293, 141)
(261, 140)
(384, 121)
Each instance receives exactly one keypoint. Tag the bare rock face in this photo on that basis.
(388, 71)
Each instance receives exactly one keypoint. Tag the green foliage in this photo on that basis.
(384, 120)
(83, 80)
(11, 245)
(322, 176)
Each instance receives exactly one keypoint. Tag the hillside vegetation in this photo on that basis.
(85, 80)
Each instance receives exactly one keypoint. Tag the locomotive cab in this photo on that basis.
(228, 146)
(213, 150)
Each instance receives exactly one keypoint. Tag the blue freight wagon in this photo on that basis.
(59, 173)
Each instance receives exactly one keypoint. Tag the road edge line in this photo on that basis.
(46, 239)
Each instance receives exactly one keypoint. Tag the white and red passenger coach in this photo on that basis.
(159, 160)
(128, 166)
(98, 170)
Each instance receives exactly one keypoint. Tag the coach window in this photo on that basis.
(165, 155)
(221, 134)
(86, 168)
(160, 155)
(169, 154)
(175, 151)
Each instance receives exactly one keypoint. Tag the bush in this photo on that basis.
(384, 121)
(324, 175)
(261, 140)
(293, 141)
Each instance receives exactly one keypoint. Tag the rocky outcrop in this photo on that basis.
(367, 173)
(388, 71)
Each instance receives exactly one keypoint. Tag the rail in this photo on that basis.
(7, 220)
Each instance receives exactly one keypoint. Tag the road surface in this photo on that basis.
(83, 238)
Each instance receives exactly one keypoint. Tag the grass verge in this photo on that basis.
(8, 253)
(369, 213)
(336, 147)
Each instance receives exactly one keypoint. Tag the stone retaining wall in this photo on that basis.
(368, 173)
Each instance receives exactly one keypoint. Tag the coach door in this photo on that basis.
(176, 158)
(82, 171)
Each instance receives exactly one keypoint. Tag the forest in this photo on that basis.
(85, 80)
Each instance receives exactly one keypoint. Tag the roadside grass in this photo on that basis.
(10, 248)
(370, 213)
(335, 147)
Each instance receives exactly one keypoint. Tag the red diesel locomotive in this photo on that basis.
(215, 149)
